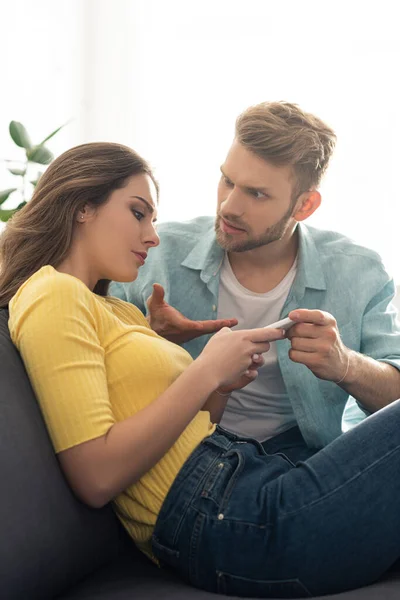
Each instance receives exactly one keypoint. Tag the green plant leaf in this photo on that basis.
(16, 171)
(40, 154)
(6, 214)
(21, 205)
(35, 181)
(5, 193)
(20, 135)
(52, 134)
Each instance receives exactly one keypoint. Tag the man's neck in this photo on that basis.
(262, 269)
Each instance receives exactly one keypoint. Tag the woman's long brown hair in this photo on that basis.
(41, 233)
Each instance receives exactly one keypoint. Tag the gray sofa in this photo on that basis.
(51, 546)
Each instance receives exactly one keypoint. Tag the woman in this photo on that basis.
(131, 415)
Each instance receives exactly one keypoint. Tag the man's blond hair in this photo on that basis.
(283, 134)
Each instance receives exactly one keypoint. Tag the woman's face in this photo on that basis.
(114, 239)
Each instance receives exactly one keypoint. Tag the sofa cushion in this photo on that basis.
(133, 577)
(49, 540)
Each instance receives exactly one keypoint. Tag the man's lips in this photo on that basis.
(228, 228)
(141, 256)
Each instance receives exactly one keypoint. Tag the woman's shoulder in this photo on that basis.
(47, 301)
(49, 285)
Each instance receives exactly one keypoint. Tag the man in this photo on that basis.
(259, 263)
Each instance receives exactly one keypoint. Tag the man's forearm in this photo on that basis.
(373, 383)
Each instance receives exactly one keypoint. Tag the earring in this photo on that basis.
(81, 217)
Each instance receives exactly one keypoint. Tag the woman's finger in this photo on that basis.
(251, 374)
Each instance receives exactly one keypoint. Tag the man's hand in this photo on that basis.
(316, 343)
(173, 325)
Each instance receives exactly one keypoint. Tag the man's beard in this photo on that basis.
(272, 234)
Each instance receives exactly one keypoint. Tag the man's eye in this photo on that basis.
(257, 194)
(138, 214)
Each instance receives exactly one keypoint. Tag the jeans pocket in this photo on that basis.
(220, 482)
(232, 585)
(165, 556)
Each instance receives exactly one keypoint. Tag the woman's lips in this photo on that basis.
(226, 228)
(140, 257)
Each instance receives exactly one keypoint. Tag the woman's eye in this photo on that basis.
(227, 181)
(138, 214)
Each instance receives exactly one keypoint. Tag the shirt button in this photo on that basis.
(220, 517)
(214, 307)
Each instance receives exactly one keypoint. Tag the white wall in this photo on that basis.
(169, 78)
(41, 56)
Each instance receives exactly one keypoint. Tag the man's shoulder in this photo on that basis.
(331, 244)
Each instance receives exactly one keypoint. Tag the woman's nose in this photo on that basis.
(153, 239)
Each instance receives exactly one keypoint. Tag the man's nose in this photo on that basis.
(233, 202)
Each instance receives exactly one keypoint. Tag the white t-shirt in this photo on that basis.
(262, 409)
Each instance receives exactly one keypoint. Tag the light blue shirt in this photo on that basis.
(334, 274)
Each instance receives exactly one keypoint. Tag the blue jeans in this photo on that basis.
(241, 522)
(290, 443)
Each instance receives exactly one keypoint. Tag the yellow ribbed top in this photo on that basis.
(92, 362)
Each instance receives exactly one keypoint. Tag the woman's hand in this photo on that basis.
(228, 356)
(250, 375)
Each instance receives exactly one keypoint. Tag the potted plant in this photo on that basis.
(28, 171)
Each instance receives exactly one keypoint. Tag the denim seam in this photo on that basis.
(229, 487)
(210, 482)
(328, 494)
(221, 583)
(201, 511)
(223, 576)
(194, 539)
(190, 500)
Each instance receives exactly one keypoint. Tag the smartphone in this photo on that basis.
(283, 324)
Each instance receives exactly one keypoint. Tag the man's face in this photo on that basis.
(254, 201)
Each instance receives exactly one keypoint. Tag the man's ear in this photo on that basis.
(306, 205)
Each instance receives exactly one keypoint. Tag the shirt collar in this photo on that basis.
(207, 257)
(309, 269)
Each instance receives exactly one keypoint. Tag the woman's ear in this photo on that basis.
(306, 205)
(85, 213)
